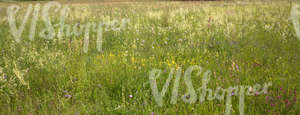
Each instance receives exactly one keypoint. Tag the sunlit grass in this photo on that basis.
(241, 43)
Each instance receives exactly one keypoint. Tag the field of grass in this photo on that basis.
(241, 43)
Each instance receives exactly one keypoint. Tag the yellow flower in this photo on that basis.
(132, 59)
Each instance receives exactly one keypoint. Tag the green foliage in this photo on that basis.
(241, 43)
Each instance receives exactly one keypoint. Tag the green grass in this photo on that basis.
(257, 37)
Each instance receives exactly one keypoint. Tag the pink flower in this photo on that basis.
(288, 102)
(267, 98)
(256, 93)
(130, 96)
(279, 96)
(273, 104)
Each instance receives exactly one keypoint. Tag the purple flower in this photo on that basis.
(267, 98)
(237, 66)
(130, 96)
(65, 91)
(152, 113)
(232, 93)
(273, 104)
(281, 88)
(68, 96)
(279, 96)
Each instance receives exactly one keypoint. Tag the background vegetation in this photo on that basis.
(242, 43)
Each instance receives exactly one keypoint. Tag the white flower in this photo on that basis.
(154, 15)
(250, 88)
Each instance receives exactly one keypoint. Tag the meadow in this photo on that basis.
(241, 43)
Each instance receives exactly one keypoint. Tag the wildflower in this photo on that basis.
(65, 91)
(232, 93)
(279, 96)
(267, 98)
(154, 15)
(234, 66)
(68, 96)
(273, 104)
(256, 93)
(250, 89)
(130, 96)
(265, 92)
(180, 40)
(287, 102)
(237, 66)
(152, 113)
